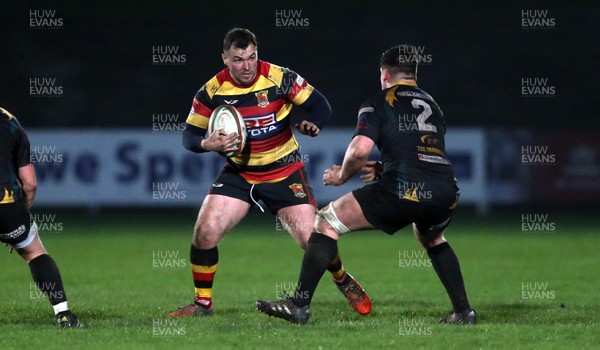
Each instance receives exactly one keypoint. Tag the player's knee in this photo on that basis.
(431, 231)
(201, 242)
(328, 220)
(428, 236)
(206, 235)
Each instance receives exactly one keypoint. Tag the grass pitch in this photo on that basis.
(124, 272)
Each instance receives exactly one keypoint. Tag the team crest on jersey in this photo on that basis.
(298, 190)
(262, 98)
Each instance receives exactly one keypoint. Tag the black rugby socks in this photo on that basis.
(47, 278)
(319, 252)
(447, 267)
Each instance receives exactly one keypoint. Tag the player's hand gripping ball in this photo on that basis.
(230, 120)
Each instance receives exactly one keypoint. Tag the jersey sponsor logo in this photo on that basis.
(430, 140)
(298, 190)
(13, 234)
(433, 159)
(261, 97)
(260, 125)
(431, 150)
(213, 89)
(230, 102)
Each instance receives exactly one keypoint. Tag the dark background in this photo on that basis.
(102, 57)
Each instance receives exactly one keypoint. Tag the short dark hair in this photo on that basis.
(239, 38)
(401, 59)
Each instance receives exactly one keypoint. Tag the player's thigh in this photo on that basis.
(341, 216)
(292, 200)
(17, 230)
(298, 220)
(350, 213)
(226, 204)
(289, 192)
(384, 210)
(33, 249)
(219, 214)
(430, 227)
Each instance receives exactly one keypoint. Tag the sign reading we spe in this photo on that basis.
(141, 167)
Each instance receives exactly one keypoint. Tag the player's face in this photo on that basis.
(242, 63)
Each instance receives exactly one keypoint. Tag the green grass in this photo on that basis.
(107, 266)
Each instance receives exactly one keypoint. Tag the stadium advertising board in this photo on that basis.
(137, 167)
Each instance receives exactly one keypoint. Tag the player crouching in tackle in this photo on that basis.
(416, 185)
(269, 168)
(18, 185)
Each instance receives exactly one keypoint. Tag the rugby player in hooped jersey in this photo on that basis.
(416, 185)
(269, 168)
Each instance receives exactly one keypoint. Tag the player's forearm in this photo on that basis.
(28, 183)
(29, 195)
(318, 109)
(354, 160)
(193, 138)
(356, 156)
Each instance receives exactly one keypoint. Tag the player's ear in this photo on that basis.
(385, 75)
(224, 58)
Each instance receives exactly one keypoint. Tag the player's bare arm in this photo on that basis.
(355, 159)
(28, 183)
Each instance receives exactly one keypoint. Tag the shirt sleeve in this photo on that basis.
(197, 121)
(298, 90)
(305, 96)
(201, 109)
(369, 121)
(22, 149)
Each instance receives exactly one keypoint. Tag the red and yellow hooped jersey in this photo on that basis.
(271, 152)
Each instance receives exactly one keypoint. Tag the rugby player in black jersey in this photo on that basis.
(18, 186)
(270, 167)
(415, 185)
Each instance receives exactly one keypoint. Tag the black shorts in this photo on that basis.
(14, 223)
(390, 213)
(290, 191)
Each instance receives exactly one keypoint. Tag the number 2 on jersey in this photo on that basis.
(416, 103)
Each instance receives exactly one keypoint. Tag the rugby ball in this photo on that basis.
(230, 120)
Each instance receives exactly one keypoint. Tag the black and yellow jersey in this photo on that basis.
(408, 127)
(14, 153)
(271, 152)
